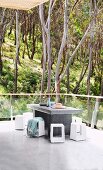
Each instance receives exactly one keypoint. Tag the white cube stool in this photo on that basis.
(19, 122)
(53, 138)
(78, 131)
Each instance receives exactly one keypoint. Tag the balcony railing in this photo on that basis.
(92, 106)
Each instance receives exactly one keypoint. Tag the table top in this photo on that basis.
(51, 110)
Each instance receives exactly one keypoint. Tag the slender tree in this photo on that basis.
(46, 43)
(2, 30)
(60, 54)
(17, 51)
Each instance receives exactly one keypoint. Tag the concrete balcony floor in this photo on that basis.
(19, 152)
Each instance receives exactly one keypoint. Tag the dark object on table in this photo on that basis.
(43, 104)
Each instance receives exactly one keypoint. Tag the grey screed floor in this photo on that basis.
(18, 152)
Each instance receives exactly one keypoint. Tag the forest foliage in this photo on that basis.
(36, 68)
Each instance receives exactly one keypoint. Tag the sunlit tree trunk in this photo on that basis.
(46, 44)
(41, 14)
(49, 47)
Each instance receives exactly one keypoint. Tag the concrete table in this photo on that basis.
(52, 115)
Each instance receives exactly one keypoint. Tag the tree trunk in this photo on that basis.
(0, 59)
(41, 15)
(46, 43)
(1, 38)
(44, 60)
(49, 49)
(60, 54)
(73, 55)
(58, 91)
(92, 9)
(83, 72)
(101, 88)
(17, 51)
(68, 80)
